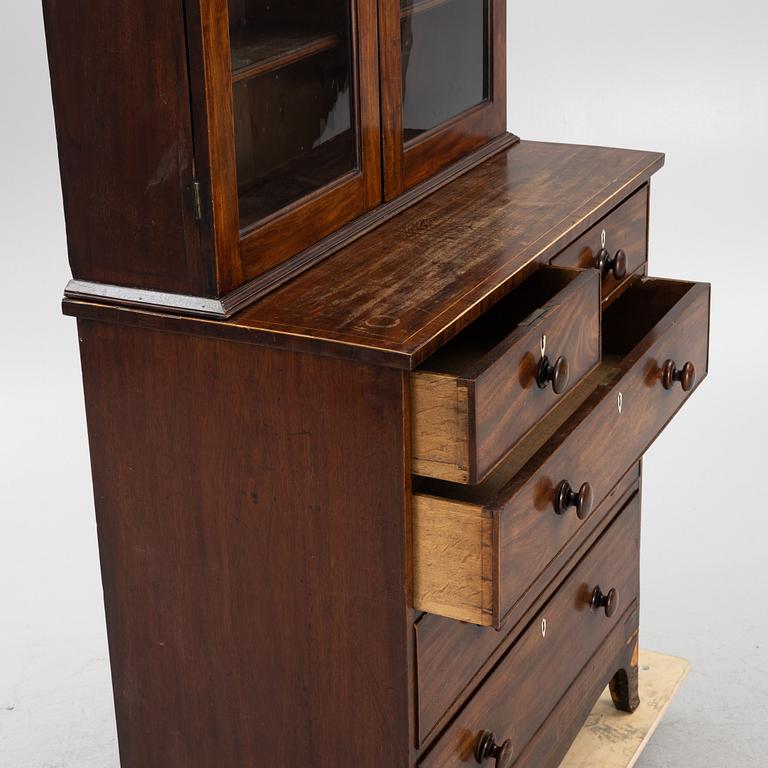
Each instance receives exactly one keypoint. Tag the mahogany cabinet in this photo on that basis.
(368, 384)
(365, 521)
(212, 149)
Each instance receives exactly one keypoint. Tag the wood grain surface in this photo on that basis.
(440, 427)
(210, 88)
(588, 438)
(493, 365)
(626, 228)
(452, 656)
(549, 655)
(125, 142)
(395, 295)
(251, 511)
(558, 731)
(453, 560)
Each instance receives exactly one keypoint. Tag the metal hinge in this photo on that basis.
(198, 202)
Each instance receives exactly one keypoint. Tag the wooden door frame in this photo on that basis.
(241, 257)
(407, 166)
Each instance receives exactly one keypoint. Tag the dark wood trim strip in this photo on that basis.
(246, 294)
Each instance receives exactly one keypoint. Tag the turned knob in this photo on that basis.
(558, 374)
(487, 748)
(616, 264)
(609, 601)
(685, 375)
(566, 497)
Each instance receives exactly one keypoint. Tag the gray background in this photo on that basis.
(689, 78)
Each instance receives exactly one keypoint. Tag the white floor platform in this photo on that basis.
(613, 739)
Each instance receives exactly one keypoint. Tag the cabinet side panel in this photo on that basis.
(251, 512)
(121, 100)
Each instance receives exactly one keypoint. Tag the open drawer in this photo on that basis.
(479, 395)
(478, 549)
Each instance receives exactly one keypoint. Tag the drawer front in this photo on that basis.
(478, 551)
(535, 673)
(467, 413)
(613, 428)
(626, 230)
(555, 737)
(451, 654)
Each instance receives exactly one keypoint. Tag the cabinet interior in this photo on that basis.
(294, 103)
(445, 61)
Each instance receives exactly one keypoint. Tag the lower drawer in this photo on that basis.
(617, 655)
(452, 655)
(532, 677)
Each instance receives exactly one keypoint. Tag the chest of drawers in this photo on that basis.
(389, 515)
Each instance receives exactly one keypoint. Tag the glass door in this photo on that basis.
(304, 113)
(445, 82)
(293, 101)
(444, 61)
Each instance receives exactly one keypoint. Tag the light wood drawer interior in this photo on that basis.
(478, 549)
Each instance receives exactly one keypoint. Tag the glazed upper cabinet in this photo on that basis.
(302, 131)
(211, 149)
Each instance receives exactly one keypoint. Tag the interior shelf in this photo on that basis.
(411, 133)
(298, 177)
(257, 50)
(419, 6)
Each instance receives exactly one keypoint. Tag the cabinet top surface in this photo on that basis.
(398, 293)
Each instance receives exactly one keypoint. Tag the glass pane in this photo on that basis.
(445, 60)
(294, 106)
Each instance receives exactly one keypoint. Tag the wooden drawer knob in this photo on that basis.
(566, 497)
(671, 374)
(608, 601)
(487, 748)
(558, 374)
(616, 264)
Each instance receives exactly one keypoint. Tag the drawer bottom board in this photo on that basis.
(614, 739)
